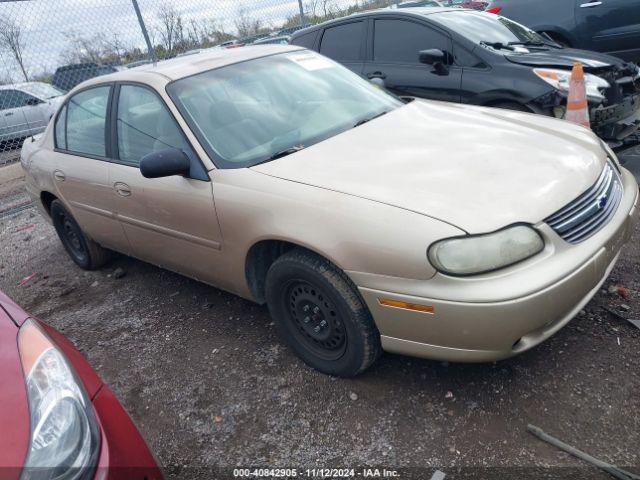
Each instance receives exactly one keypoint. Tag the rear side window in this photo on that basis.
(86, 120)
(399, 41)
(145, 125)
(15, 99)
(61, 129)
(343, 42)
(307, 40)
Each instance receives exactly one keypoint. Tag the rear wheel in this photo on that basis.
(86, 253)
(320, 314)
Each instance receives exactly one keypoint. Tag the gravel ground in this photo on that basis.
(208, 383)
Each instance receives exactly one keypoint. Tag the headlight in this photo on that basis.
(64, 435)
(483, 253)
(559, 79)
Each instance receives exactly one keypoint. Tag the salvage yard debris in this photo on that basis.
(607, 467)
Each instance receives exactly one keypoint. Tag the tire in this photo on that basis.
(86, 253)
(320, 314)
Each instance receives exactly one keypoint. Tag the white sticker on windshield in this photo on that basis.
(310, 62)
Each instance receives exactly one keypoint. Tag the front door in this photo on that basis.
(610, 25)
(81, 172)
(169, 221)
(395, 60)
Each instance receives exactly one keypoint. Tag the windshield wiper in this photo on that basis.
(368, 119)
(285, 152)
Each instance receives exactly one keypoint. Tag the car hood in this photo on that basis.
(565, 58)
(479, 169)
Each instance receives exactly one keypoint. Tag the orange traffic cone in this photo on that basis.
(577, 105)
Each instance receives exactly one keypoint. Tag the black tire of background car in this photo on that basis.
(340, 297)
(86, 253)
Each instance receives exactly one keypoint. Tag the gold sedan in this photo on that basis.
(364, 223)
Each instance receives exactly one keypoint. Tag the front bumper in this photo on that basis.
(616, 122)
(495, 316)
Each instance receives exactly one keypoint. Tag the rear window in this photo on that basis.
(342, 42)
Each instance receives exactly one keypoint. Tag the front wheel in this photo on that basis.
(320, 314)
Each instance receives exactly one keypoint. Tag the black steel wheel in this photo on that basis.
(86, 253)
(320, 314)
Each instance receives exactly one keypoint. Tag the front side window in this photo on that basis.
(145, 125)
(343, 42)
(400, 41)
(255, 111)
(86, 121)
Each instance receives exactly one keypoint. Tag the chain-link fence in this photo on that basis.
(49, 46)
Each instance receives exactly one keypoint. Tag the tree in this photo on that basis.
(12, 39)
(247, 26)
(171, 29)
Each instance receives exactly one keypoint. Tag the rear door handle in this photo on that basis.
(590, 4)
(376, 75)
(122, 189)
(59, 175)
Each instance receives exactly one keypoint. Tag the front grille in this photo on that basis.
(590, 211)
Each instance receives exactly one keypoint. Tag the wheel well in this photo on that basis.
(259, 259)
(46, 198)
(507, 104)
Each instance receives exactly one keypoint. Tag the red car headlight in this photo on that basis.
(64, 434)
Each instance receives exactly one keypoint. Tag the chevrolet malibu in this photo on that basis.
(59, 421)
(364, 223)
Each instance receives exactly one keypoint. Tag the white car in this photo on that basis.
(26, 108)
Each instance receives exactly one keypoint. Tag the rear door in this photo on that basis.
(168, 221)
(394, 51)
(345, 43)
(81, 158)
(610, 25)
(15, 122)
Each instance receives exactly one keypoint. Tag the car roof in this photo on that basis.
(185, 66)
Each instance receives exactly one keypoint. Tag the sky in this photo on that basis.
(47, 23)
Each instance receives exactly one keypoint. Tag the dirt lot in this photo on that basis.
(206, 380)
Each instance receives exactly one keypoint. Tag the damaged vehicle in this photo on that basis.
(277, 174)
(478, 58)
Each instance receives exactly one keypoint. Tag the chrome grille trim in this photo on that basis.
(591, 211)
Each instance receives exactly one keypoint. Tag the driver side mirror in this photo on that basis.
(165, 163)
(438, 58)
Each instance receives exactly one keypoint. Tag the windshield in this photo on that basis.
(254, 111)
(480, 27)
(41, 90)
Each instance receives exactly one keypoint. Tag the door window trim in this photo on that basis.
(200, 174)
(65, 105)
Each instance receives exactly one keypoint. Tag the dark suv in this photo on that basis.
(611, 26)
(467, 56)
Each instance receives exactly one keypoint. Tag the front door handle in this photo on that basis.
(122, 189)
(8, 114)
(376, 75)
(590, 4)
(58, 175)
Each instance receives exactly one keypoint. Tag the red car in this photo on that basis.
(59, 420)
